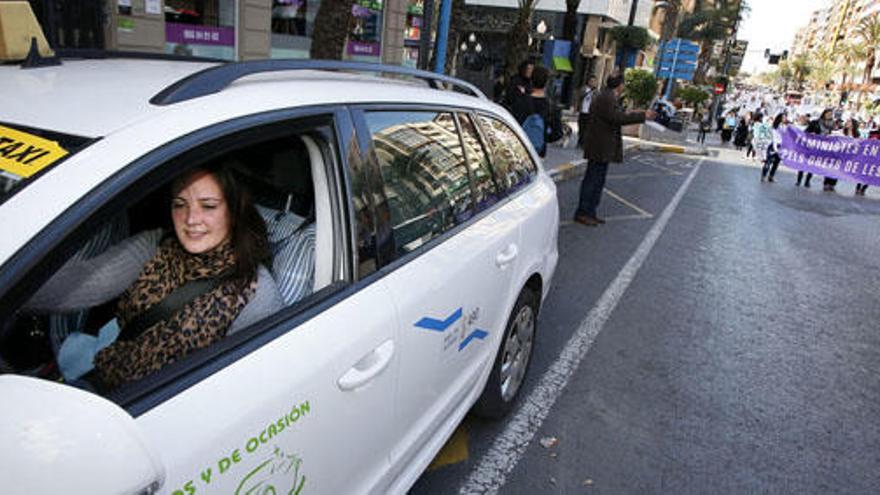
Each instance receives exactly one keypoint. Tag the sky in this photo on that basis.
(772, 24)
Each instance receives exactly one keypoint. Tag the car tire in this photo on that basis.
(512, 360)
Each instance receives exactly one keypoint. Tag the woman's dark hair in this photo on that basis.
(539, 77)
(855, 128)
(614, 81)
(247, 230)
(778, 120)
(522, 66)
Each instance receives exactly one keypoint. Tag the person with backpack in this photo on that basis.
(537, 115)
(603, 143)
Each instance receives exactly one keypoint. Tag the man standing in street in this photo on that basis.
(603, 143)
(584, 115)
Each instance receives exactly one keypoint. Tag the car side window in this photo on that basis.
(484, 183)
(244, 230)
(511, 162)
(424, 172)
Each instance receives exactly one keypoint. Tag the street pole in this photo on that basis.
(425, 37)
(443, 35)
(717, 99)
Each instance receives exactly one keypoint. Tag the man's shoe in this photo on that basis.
(600, 220)
(586, 220)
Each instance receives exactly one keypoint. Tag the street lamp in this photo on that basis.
(471, 53)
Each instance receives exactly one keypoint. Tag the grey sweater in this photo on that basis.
(81, 284)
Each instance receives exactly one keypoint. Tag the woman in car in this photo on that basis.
(178, 291)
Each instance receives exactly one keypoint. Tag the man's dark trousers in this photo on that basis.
(591, 188)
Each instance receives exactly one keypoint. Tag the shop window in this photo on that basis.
(202, 28)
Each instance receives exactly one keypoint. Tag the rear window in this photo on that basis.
(27, 152)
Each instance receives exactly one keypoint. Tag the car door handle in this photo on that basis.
(507, 256)
(368, 367)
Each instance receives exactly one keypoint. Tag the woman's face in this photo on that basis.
(200, 213)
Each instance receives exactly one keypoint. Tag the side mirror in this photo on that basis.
(55, 438)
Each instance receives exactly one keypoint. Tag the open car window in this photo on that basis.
(27, 152)
(96, 285)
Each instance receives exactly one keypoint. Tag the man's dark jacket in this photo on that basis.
(604, 141)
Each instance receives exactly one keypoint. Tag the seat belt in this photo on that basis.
(170, 304)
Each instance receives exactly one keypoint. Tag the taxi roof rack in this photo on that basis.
(215, 79)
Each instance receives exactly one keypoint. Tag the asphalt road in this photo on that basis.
(740, 356)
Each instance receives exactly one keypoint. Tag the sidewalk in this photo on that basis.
(563, 160)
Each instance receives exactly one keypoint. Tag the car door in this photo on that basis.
(299, 402)
(450, 276)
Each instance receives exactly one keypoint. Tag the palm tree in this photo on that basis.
(332, 25)
(800, 69)
(869, 31)
(708, 24)
(517, 48)
(847, 55)
(569, 24)
(821, 69)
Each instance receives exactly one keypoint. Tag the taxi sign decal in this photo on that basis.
(25, 154)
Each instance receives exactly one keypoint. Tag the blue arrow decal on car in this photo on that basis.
(476, 334)
(439, 325)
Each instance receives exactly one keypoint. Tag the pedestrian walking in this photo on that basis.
(520, 85)
(727, 127)
(705, 127)
(603, 143)
(584, 114)
(740, 133)
(873, 133)
(771, 162)
(823, 126)
(539, 117)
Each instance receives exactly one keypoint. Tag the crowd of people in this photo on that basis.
(755, 121)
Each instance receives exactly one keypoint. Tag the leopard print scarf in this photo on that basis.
(200, 323)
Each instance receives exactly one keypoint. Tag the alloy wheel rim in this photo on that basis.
(517, 351)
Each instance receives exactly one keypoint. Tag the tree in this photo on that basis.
(821, 69)
(692, 96)
(517, 49)
(332, 25)
(569, 24)
(640, 87)
(800, 69)
(869, 31)
(846, 56)
(710, 23)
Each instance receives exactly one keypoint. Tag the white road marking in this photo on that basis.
(627, 203)
(507, 449)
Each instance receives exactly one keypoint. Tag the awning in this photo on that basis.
(562, 64)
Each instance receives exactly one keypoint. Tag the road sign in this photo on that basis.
(677, 59)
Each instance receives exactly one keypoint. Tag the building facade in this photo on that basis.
(835, 25)
(384, 31)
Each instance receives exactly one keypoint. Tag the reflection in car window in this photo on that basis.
(423, 167)
(478, 160)
(510, 159)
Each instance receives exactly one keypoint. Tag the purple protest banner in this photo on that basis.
(856, 160)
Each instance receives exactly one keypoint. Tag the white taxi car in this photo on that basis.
(414, 298)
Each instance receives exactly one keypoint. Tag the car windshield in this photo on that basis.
(27, 152)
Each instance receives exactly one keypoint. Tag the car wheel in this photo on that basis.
(512, 362)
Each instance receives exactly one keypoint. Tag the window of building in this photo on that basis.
(424, 172)
(511, 162)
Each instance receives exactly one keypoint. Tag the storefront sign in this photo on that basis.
(189, 34)
(365, 39)
(856, 160)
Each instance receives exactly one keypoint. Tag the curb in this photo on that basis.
(576, 168)
(669, 148)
